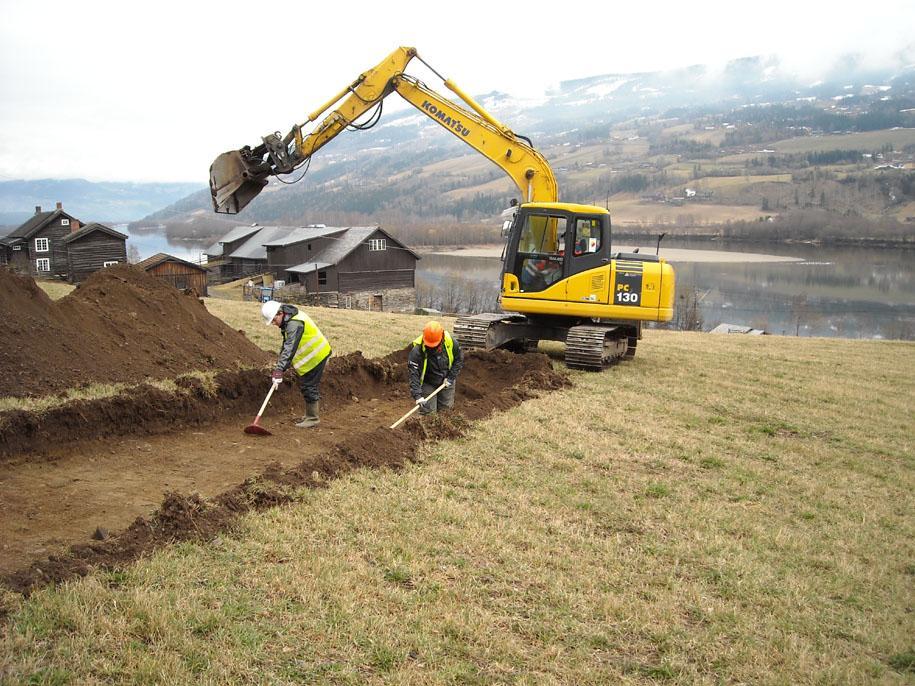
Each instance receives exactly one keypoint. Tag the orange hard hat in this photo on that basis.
(432, 334)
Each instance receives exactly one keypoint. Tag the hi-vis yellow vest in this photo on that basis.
(313, 347)
(449, 348)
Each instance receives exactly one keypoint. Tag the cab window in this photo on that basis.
(587, 236)
(542, 235)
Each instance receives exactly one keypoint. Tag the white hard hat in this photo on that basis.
(269, 310)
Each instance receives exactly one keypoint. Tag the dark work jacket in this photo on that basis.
(292, 333)
(436, 370)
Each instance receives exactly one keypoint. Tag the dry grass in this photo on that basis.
(55, 289)
(866, 141)
(632, 211)
(718, 510)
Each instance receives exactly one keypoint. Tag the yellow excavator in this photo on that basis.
(560, 280)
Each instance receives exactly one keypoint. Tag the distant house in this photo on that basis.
(218, 253)
(360, 258)
(250, 255)
(363, 265)
(91, 248)
(177, 272)
(37, 247)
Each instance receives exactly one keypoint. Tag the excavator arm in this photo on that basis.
(236, 177)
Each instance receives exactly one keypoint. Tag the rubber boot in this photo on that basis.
(311, 416)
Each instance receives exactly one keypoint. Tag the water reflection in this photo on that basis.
(149, 243)
(847, 292)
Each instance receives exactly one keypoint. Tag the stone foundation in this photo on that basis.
(384, 300)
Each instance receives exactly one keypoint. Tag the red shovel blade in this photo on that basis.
(256, 429)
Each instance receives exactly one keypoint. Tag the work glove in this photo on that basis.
(277, 377)
(447, 383)
(421, 402)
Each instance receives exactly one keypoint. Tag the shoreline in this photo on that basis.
(669, 254)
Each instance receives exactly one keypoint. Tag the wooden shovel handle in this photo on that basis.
(416, 407)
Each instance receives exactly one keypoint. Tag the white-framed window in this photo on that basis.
(65, 222)
(43, 264)
(378, 244)
(17, 247)
(42, 245)
(109, 263)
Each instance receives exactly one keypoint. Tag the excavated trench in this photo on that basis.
(96, 484)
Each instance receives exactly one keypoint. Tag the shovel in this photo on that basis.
(415, 407)
(255, 426)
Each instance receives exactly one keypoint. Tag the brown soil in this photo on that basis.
(120, 326)
(171, 468)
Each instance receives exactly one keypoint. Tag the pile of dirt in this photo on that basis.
(119, 326)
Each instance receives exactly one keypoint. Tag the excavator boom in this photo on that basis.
(237, 176)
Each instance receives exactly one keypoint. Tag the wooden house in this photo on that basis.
(359, 258)
(249, 255)
(37, 246)
(177, 272)
(91, 248)
(218, 253)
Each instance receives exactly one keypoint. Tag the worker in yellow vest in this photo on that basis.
(305, 349)
(436, 358)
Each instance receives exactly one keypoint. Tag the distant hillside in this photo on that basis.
(109, 202)
(687, 149)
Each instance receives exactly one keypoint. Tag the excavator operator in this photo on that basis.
(435, 359)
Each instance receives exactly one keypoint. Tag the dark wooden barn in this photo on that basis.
(360, 258)
(93, 247)
(37, 246)
(177, 272)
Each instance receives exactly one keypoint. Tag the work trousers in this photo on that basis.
(309, 381)
(444, 400)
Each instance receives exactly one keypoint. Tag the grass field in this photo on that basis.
(720, 509)
(867, 141)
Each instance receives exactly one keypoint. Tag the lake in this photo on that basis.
(150, 242)
(797, 290)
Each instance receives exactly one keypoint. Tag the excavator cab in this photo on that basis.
(550, 242)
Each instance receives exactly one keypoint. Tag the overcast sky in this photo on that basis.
(154, 91)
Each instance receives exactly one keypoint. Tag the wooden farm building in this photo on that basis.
(37, 246)
(360, 258)
(219, 255)
(177, 272)
(360, 266)
(93, 247)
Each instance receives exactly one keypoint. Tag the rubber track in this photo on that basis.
(585, 347)
(472, 331)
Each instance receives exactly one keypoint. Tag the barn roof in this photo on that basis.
(340, 247)
(162, 257)
(253, 248)
(92, 228)
(36, 222)
(239, 232)
(307, 267)
(302, 234)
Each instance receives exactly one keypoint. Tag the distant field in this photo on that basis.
(630, 211)
(731, 182)
(870, 140)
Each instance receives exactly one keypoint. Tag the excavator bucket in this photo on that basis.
(233, 183)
